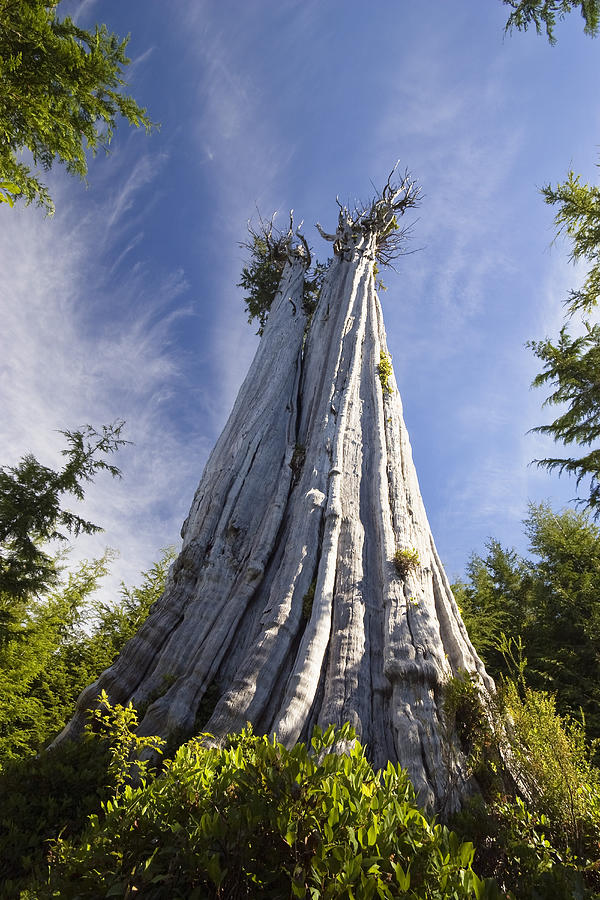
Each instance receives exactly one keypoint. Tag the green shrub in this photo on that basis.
(42, 797)
(253, 819)
(515, 847)
(406, 561)
(552, 767)
(56, 792)
(385, 371)
(538, 832)
(465, 713)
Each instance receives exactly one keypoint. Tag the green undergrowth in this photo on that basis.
(536, 820)
(255, 819)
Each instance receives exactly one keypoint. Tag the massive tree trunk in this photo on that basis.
(285, 607)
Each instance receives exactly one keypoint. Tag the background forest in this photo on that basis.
(296, 824)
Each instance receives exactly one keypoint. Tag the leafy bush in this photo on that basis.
(254, 819)
(514, 846)
(49, 653)
(43, 797)
(56, 792)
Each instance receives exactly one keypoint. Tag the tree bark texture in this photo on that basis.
(285, 607)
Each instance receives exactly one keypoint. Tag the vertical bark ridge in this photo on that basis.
(312, 503)
(331, 436)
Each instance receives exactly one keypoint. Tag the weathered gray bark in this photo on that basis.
(310, 488)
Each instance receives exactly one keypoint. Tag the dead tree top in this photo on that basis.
(281, 246)
(377, 219)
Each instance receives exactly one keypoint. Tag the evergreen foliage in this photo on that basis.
(260, 278)
(578, 218)
(550, 603)
(544, 13)
(572, 365)
(60, 94)
(31, 512)
(38, 687)
(268, 251)
(58, 646)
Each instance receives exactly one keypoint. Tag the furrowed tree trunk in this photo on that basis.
(285, 607)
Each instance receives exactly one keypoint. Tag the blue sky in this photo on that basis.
(125, 305)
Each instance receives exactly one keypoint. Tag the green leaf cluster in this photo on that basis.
(544, 13)
(406, 560)
(260, 279)
(552, 767)
(465, 716)
(254, 819)
(44, 796)
(514, 845)
(60, 94)
(267, 256)
(572, 367)
(578, 218)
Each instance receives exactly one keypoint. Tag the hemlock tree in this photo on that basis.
(60, 94)
(572, 364)
(543, 14)
(31, 511)
(309, 590)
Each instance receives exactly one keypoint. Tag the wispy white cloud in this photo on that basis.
(143, 172)
(60, 371)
